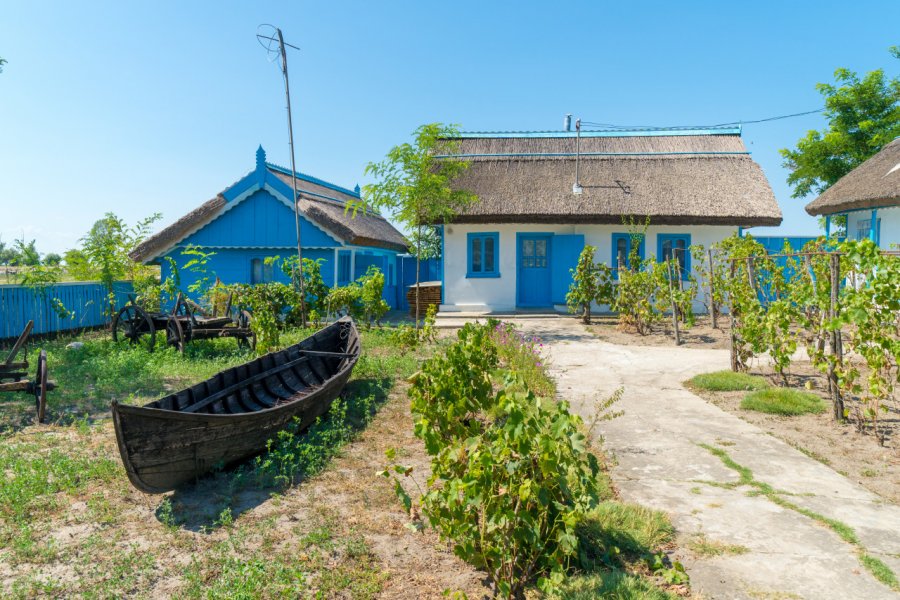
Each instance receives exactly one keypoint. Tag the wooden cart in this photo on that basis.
(187, 321)
(14, 374)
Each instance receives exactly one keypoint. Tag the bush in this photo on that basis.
(728, 381)
(374, 307)
(591, 283)
(783, 401)
(511, 476)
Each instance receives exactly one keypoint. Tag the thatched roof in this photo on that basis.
(687, 177)
(873, 184)
(321, 202)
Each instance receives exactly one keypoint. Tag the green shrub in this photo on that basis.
(374, 307)
(728, 381)
(511, 476)
(591, 283)
(783, 401)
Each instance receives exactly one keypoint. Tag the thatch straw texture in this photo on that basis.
(873, 184)
(683, 180)
(174, 233)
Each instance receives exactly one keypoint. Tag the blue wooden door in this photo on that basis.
(533, 280)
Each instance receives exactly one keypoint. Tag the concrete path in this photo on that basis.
(659, 464)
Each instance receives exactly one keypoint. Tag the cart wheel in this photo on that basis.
(130, 324)
(248, 340)
(175, 334)
(40, 386)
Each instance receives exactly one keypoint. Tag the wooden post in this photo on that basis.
(733, 346)
(837, 402)
(674, 306)
(712, 292)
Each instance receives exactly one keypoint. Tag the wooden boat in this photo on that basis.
(230, 416)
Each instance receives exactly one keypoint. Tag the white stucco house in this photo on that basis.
(869, 197)
(540, 201)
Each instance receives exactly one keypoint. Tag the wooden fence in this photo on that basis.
(86, 304)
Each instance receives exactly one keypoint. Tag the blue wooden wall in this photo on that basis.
(260, 221)
(19, 304)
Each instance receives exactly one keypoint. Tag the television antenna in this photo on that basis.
(271, 38)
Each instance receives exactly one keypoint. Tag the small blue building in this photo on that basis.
(253, 219)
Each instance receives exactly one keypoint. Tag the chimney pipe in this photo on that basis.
(567, 123)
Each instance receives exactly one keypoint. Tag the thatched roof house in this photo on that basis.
(544, 195)
(868, 197)
(253, 219)
(873, 184)
(674, 177)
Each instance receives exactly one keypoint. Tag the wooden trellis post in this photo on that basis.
(837, 402)
(712, 292)
(733, 346)
(674, 305)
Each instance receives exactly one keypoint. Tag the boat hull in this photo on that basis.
(231, 417)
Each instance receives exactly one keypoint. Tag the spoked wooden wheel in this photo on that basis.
(131, 324)
(175, 334)
(40, 387)
(249, 339)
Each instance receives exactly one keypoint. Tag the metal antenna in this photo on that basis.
(269, 45)
(576, 188)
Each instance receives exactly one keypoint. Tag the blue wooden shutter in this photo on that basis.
(564, 252)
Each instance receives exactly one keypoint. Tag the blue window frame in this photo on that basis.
(343, 267)
(621, 251)
(678, 246)
(261, 271)
(483, 254)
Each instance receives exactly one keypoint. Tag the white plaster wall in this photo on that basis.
(890, 225)
(499, 293)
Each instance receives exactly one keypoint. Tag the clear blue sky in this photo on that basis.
(143, 107)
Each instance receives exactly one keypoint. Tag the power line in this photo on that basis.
(593, 125)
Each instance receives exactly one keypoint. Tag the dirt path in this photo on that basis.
(749, 540)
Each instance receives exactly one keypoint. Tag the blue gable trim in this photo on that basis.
(304, 177)
(259, 221)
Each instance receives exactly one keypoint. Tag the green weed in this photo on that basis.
(727, 381)
(875, 566)
(703, 546)
(783, 401)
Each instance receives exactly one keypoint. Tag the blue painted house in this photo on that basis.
(253, 219)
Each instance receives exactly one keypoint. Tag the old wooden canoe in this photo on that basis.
(230, 416)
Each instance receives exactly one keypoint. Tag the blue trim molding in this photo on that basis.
(443, 262)
(482, 271)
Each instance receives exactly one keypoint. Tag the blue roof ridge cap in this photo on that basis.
(649, 132)
(316, 180)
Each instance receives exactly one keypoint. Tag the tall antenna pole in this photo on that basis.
(576, 188)
(298, 271)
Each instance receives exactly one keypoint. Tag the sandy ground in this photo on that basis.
(701, 335)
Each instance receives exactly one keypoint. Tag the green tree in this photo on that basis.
(52, 259)
(416, 186)
(26, 253)
(107, 245)
(863, 115)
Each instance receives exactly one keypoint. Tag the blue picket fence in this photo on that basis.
(87, 301)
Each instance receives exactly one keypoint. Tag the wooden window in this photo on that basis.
(672, 245)
(261, 272)
(483, 255)
(622, 250)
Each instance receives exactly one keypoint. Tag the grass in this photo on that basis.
(67, 475)
(611, 585)
(876, 567)
(783, 401)
(705, 547)
(727, 381)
